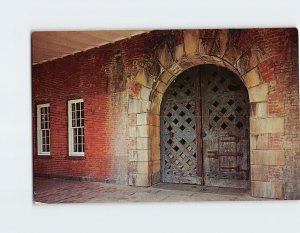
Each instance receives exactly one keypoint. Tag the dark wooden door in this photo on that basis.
(225, 120)
(204, 129)
(179, 154)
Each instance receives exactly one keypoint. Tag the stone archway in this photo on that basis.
(157, 94)
(144, 111)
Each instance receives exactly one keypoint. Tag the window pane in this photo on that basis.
(82, 122)
(75, 147)
(75, 135)
(79, 148)
(77, 106)
(77, 114)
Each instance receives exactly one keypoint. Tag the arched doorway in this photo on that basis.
(205, 129)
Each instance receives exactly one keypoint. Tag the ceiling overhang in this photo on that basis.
(50, 45)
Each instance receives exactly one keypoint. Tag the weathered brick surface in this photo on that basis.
(123, 84)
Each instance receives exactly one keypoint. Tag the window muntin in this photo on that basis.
(43, 129)
(76, 127)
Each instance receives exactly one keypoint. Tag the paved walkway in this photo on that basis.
(70, 191)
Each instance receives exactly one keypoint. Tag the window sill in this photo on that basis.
(75, 157)
(43, 157)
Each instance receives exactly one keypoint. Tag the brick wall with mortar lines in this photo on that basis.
(266, 59)
(102, 77)
(80, 76)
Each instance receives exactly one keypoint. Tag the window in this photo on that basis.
(43, 129)
(76, 127)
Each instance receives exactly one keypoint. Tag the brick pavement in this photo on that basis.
(71, 191)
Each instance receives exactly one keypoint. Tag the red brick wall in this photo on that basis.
(74, 77)
(102, 81)
(282, 70)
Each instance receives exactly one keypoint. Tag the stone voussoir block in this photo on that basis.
(179, 51)
(166, 76)
(161, 87)
(191, 42)
(252, 78)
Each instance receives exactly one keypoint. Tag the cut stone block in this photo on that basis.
(143, 155)
(252, 78)
(132, 131)
(142, 119)
(191, 41)
(143, 167)
(145, 93)
(132, 155)
(134, 106)
(142, 131)
(164, 56)
(166, 76)
(261, 110)
(262, 141)
(259, 172)
(141, 77)
(266, 125)
(142, 143)
(145, 106)
(259, 93)
(179, 52)
(138, 179)
(161, 87)
(267, 189)
(267, 157)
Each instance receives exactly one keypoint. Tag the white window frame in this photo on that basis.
(70, 129)
(39, 139)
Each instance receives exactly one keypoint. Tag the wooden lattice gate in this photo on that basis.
(205, 129)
